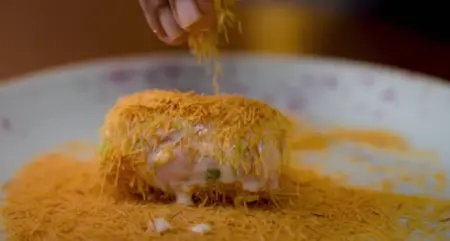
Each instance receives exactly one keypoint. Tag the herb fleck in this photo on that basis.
(212, 174)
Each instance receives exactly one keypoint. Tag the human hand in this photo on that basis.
(172, 20)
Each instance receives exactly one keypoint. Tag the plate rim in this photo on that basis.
(21, 79)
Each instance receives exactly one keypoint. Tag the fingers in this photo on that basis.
(150, 8)
(205, 6)
(174, 33)
(158, 14)
(171, 20)
(193, 15)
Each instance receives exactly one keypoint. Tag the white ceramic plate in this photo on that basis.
(41, 111)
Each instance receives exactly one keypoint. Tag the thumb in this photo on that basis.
(189, 12)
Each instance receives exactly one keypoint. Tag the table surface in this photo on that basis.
(46, 33)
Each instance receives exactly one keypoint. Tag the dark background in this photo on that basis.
(430, 19)
(407, 34)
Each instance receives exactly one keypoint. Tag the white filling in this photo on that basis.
(184, 198)
(251, 185)
(227, 174)
(198, 170)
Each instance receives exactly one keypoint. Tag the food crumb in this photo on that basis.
(159, 225)
(201, 228)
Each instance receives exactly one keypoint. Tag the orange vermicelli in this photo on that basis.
(204, 43)
(56, 197)
(233, 127)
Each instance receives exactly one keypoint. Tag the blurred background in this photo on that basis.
(407, 34)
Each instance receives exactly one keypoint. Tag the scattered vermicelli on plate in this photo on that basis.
(166, 154)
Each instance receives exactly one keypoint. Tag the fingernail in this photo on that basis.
(168, 23)
(187, 12)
